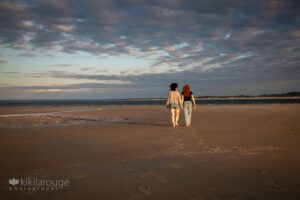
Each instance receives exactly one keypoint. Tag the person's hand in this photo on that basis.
(194, 106)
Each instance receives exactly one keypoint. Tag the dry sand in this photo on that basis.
(131, 152)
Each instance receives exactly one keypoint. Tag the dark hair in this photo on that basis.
(173, 86)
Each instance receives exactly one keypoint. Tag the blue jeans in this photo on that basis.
(188, 108)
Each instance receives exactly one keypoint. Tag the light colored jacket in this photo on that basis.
(174, 97)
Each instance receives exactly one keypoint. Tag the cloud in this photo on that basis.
(198, 41)
(228, 35)
(115, 26)
(62, 65)
(11, 72)
(231, 70)
(86, 69)
(232, 79)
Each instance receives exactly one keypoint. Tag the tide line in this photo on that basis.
(48, 113)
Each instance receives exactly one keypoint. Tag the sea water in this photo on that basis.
(116, 102)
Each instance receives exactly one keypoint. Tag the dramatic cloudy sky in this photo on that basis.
(136, 48)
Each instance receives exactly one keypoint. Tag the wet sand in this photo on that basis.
(131, 152)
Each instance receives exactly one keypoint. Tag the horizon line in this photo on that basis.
(286, 94)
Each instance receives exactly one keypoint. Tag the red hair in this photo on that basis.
(186, 90)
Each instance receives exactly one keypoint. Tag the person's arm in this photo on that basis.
(180, 100)
(194, 102)
(168, 101)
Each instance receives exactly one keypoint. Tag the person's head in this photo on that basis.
(173, 86)
(186, 90)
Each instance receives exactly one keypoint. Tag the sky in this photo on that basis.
(107, 49)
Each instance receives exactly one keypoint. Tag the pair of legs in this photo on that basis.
(188, 108)
(175, 116)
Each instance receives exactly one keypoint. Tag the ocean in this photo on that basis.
(115, 102)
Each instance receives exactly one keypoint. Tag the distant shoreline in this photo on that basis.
(284, 98)
(237, 98)
(215, 98)
(288, 95)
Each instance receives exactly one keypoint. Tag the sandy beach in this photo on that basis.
(131, 152)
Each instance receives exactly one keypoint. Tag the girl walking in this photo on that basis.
(188, 104)
(174, 103)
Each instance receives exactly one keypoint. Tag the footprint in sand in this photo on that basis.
(176, 165)
(38, 171)
(144, 190)
(175, 149)
(216, 149)
(141, 192)
(80, 176)
(151, 155)
(254, 150)
(231, 197)
(147, 174)
(261, 172)
(194, 197)
(274, 186)
(152, 174)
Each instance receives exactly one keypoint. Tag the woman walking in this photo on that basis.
(188, 104)
(174, 103)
